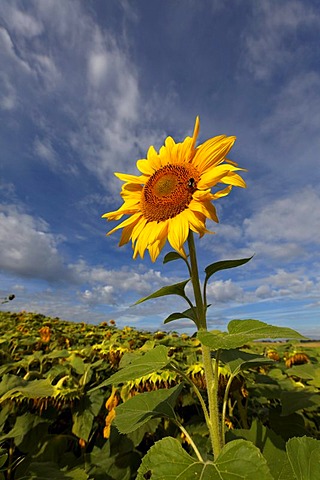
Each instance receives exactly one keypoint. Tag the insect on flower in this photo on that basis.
(173, 193)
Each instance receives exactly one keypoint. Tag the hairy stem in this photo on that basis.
(211, 376)
(187, 435)
(224, 408)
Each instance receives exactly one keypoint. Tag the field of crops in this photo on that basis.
(60, 416)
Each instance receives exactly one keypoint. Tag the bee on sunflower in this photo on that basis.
(172, 196)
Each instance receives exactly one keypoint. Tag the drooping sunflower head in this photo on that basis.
(173, 193)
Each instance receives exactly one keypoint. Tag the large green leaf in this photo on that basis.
(224, 265)
(45, 470)
(309, 372)
(177, 315)
(304, 457)
(301, 399)
(82, 419)
(30, 389)
(293, 425)
(114, 461)
(84, 413)
(236, 360)
(3, 457)
(241, 332)
(271, 445)
(176, 289)
(22, 427)
(238, 460)
(139, 409)
(152, 361)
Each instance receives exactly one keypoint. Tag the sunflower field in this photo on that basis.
(72, 409)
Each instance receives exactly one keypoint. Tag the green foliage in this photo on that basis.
(137, 411)
(56, 380)
(241, 332)
(304, 458)
(238, 459)
(148, 363)
(224, 265)
(176, 289)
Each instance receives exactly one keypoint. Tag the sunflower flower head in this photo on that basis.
(173, 193)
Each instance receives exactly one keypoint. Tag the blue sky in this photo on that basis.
(87, 87)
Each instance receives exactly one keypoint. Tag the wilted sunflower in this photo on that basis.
(173, 194)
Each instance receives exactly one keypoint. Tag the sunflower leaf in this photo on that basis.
(171, 256)
(239, 459)
(224, 265)
(304, 457)
(138, 410)
(150, 362)
(176, 289)
(177, 315)
(244, 331)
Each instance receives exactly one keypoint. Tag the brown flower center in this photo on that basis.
(168, 192)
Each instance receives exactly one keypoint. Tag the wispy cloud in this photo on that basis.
(27, 246)
(273, 42)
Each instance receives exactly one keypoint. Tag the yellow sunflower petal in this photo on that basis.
(131, 189)
(178, 231)
(131, 205)
(202, 195)
(206, 208)
(126, 222)
(214, 176)
(195, 133)
(212, 152)
(138, 229)
(233, 179)
(126, 233)
(146, 166)
(149, 234)
(173, 193)
(131, 178)
(196, 221)
(222, 193)
(156, 247)
(151, 152)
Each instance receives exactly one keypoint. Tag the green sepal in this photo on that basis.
(244, 331)
(177, 315)
(138, 410)
(224, 265)
(175, 289)
(172, 256)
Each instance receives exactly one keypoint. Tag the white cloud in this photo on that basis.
(293, 283)
(27, 246)
(263, 291)
(271, 40)
(99, 295)
(8, 53)
(295, 118)
(123, 280)
(8, 96)
(293, 219)
(44, 149)
(23, 23)
(94, 85)
(221, 291)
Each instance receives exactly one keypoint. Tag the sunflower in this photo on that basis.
(173, 193)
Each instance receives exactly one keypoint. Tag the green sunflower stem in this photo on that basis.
(210, 374)
(202, 322)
